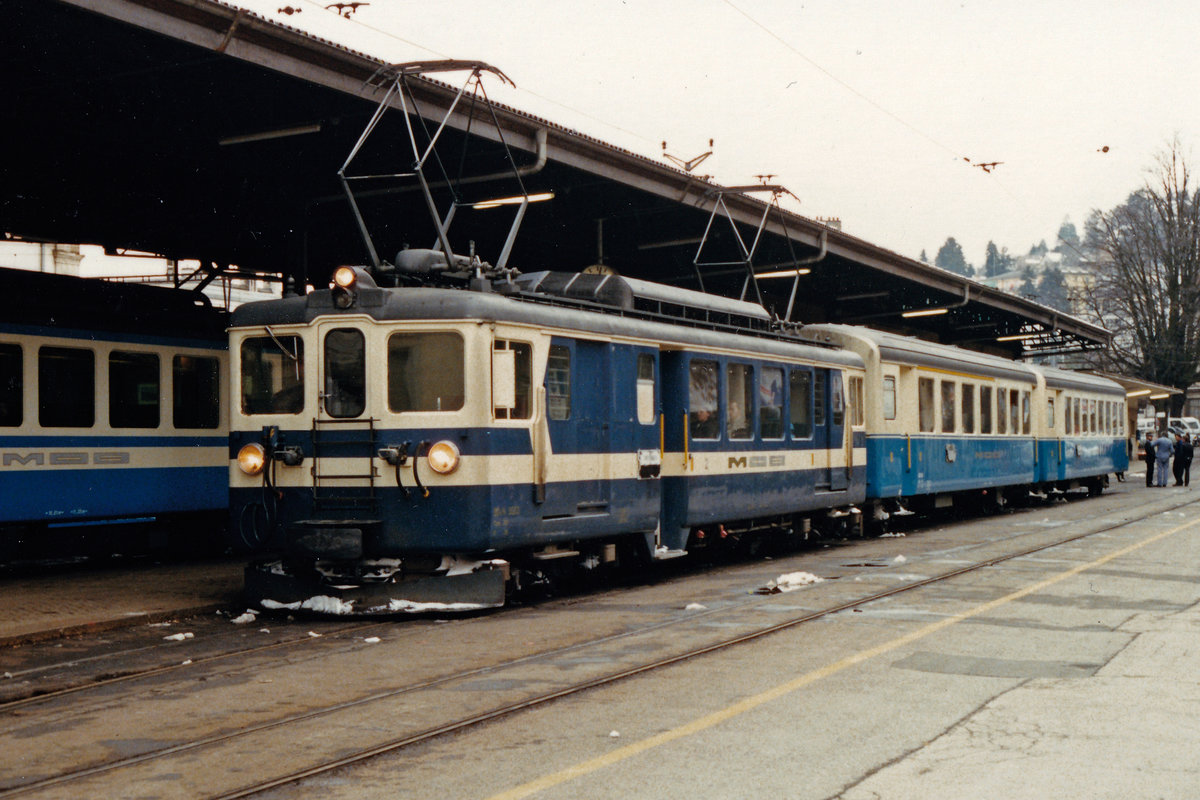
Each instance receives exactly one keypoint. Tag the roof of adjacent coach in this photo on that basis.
(40, 300)
(1068, 379)
(424, 303)
(917, 352)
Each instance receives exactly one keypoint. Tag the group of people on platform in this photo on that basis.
(1166, 453)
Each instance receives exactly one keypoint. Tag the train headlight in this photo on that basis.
(443, 457)
(344, 281)
(252, 458)
(345, 277)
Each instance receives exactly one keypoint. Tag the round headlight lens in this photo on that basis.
(344, 277)
(252, 458)
(443, 457)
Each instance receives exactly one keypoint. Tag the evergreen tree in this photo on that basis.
(950, 257)
(1052, 290)
(1068, 243)
(997, 261)
(924, 258)
(1039, 249)
(1028, 287)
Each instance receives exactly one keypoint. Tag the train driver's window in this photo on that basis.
(889, 397)
(645, 389)
(703, 419)
(272, 375)
(197, 392)
(925, 404)
(739, 400)
(66, 387)
(985, 409)
(558, 382)
(968, 408)
(12, 385)
(1026, 414)
(770, 403)
(133, 390)
(948, 400)
(425, 371)
(800, 404)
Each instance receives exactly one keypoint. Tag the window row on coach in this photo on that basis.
(68, 386)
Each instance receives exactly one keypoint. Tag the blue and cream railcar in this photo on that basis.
(941, 422)
(1082, 432)
(406, 446)
(110, 406)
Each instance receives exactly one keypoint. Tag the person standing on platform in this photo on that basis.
(1148, 457)
(1183, 460)
(1163, 448)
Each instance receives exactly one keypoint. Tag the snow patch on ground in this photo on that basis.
(790, 583)
(695, 607)
(242, 619)
(899, 560)
(411, 607)
(179, 637)
(322, 604)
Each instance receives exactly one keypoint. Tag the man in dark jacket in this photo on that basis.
(1183, 460)
(1148, 457)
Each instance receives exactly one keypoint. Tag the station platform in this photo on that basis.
(65, 603)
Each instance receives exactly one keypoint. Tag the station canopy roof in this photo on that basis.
(195, 130)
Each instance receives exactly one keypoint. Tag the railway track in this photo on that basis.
(511, 677)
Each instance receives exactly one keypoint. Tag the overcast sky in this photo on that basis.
(865, 109)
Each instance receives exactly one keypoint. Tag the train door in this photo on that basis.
(829, 427)
(579, 420)
(343, 433)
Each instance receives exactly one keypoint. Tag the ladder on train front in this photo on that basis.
(343, 467)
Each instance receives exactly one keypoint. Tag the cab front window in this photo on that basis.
(272, 375)
(425, 372)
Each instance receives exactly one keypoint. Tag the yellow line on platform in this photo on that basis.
(751, 703)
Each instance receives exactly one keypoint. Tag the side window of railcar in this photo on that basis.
(133, 390)
(12, 385)
(345, 392)
(1067, 415)
(1014, 411)
(66, 387)
(703, 420)
(948, 401)
(522, 383)
(273, 375)
(800, 404)
(889, 397)
(739, 400)
(770, 403)
(1050, 412)
(985, 409)
(1026, 414)
(645, 389)
(820, 378)
(836, 400)
(854, 396)
(1001, 411)
(1075, 414)
(558, 382)
(197, 392)
(425, 372)
(1092, 410)
(925, 404)
(968, 408)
